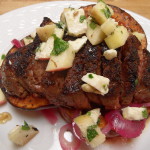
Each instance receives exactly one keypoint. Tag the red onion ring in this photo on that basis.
(50, 115)
(66, 145)
(17, 43)
(126, 128)
(106, 129)
(77, 132)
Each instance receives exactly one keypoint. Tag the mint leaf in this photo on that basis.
(90, 76)
(145, 113)
(59, 46)
(106, 12)
(3, 56)
(82, 18)
(91, 132)
(25, 126)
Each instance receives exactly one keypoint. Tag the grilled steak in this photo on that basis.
(24, 78)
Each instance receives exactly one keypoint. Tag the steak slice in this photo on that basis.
(112, 70)
(130, 63)
(142, 93)
(86, 60)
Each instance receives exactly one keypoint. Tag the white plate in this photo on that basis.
(19, 23)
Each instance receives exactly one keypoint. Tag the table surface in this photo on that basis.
(141, 7)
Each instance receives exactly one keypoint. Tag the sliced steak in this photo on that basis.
(130, 63)
(86, 60)
(142, 93)
(112, 70)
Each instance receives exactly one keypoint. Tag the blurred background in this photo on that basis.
(141, 7)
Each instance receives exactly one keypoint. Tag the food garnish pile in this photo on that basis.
(92, 65)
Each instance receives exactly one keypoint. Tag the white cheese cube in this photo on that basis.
(77, 44)
(110, 54)
(140, 36)
(43, 52)
(96, 35)
(117, 38)
(98, 82)
(109, 26)
(21, 137)
(134, 113)
(74, 26)
(59, 32)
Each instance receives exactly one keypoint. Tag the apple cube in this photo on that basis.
(45, 32)
(101, 12)
(61, 62)
(95, 35)
(2, 98)
(117, 38)
(109, 26)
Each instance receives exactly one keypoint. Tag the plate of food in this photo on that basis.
(74, 76)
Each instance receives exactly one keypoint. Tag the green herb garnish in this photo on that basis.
(60, 25)
(59, 46)
(25, 126)
(3, 56)
(136, 82)
(90, 76)
(82, 18)
(93, 25)
(145, 113)
(100, 1)
(88, 113)
(105, 87)
(91, 132)
(106, 12)
(98, 121)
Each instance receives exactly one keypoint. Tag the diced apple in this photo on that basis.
(62, 16)
(88, 88)
(74, 25)
(59, 32)
(27, 40)
(2, 98)
(20, 137)
(109, 26)
(94, 114)
(117, 38)
(99, 139)
(61, 62)
(77, 44)
(101, 12)
(94, 35)
(98, 82)
(140, 36)
(83, 122)
(44, 50)
(45, 32)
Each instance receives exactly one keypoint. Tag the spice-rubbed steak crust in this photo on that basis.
(24, 79)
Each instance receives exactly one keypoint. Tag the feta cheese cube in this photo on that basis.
(134, 113)
(77, 44)
(74, 25)
(110, 54)
(98, 82)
